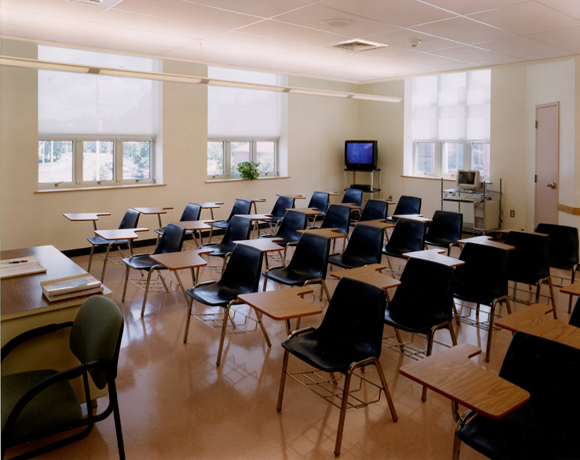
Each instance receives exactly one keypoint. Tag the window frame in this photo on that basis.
(227, 142)
(77, 159)
(438, 172)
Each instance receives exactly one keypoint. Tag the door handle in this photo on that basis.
(552, 185)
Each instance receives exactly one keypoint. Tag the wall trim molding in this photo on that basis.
(569, 209)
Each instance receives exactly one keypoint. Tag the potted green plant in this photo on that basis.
(249, 170)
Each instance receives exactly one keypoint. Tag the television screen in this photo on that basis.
(361, 155)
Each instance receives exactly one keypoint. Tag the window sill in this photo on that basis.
(429, 178)
(215, 181)
(92, 189)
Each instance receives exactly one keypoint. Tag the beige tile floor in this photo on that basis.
(175, 403)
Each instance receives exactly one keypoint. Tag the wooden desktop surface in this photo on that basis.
(282, 304)
(434, 255)
(153, 210)
(85, 216)
(120, 233)
(380, 223)
(451, 374)
(211, 204)
(534, 320)
(22, 295)
(573, 289)
(182, 260)
(195, 224)
(263, 244)
(332, 233)
(309, 211)
(369, 274)
(486, 241)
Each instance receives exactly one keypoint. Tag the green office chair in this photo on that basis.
(41, 403)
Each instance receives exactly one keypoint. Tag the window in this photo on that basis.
(243, 125)
(95, 130)
(450, 123)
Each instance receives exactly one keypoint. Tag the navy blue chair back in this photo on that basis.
(171, 240)
(282, 204)
(374, 209)
(191, 212)
(337, 216)
(242, 273)
(319, 201)
(563, 245)
(353, 195)
(130, 219)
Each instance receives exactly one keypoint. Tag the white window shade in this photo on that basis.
(235, 112)
(70, 103)
(452, 106)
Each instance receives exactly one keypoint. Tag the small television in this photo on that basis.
(361, 155)
(468, 179)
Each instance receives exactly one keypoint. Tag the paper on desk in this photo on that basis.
(8, 270)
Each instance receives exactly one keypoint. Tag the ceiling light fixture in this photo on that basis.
(338, 23)
(57, 66)
(357, 45)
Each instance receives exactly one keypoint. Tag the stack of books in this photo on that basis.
(73, 286)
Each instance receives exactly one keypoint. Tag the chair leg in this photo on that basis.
(125, 286)
(343, 407)
(259, 316)
(105, 262)
(456, 445)
(552, 297)
(93, 251)
(223, 336)
(326, 290)
(265, 283)
(114, 400)
(282, 380)
(457, 321)
(571, 282)
(429, 349)
(146, 292)
(377, 364)
(490, 332)
(188, 320)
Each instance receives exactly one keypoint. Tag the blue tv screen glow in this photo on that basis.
(361, 155)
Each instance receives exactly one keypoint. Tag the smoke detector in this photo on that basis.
(358, 45)
(414, 42)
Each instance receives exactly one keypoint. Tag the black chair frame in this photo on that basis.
(80, 371)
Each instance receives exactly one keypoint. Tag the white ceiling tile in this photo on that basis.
(464, 30)
(290, 32)
(35, 33)
(400, 37)
(314, 15)
(262, 8)
(256, 41)
(36, 25)
(403, 13)
(555, 54)
(429, 60)
(472, 6)
(518, 46)
(527, 18)
(189, 12)
(569, 7)
(158, 25)
(119, 38)
(61, 8)
(471, 54)
(567, 39)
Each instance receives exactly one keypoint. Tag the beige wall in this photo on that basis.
(313, 142)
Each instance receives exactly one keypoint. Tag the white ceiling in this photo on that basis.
(291, 35)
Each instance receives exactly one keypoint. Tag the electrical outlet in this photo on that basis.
(512, 213)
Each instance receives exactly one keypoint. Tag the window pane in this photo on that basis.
(55, 161)
(452, 157)
(480, 157)
(137, 160)
(240, 153)
(425, 161)
(215, 158)
(98, 160)
(266, 152)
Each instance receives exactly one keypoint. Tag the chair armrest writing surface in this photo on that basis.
(451, 374)
(573, 289)
(282, 304)
(525, 319)
(32, 333)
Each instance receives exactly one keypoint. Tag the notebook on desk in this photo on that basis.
(20, 266)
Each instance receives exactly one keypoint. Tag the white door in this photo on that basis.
(547, 158)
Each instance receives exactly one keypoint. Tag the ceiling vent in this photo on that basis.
(358, 45)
